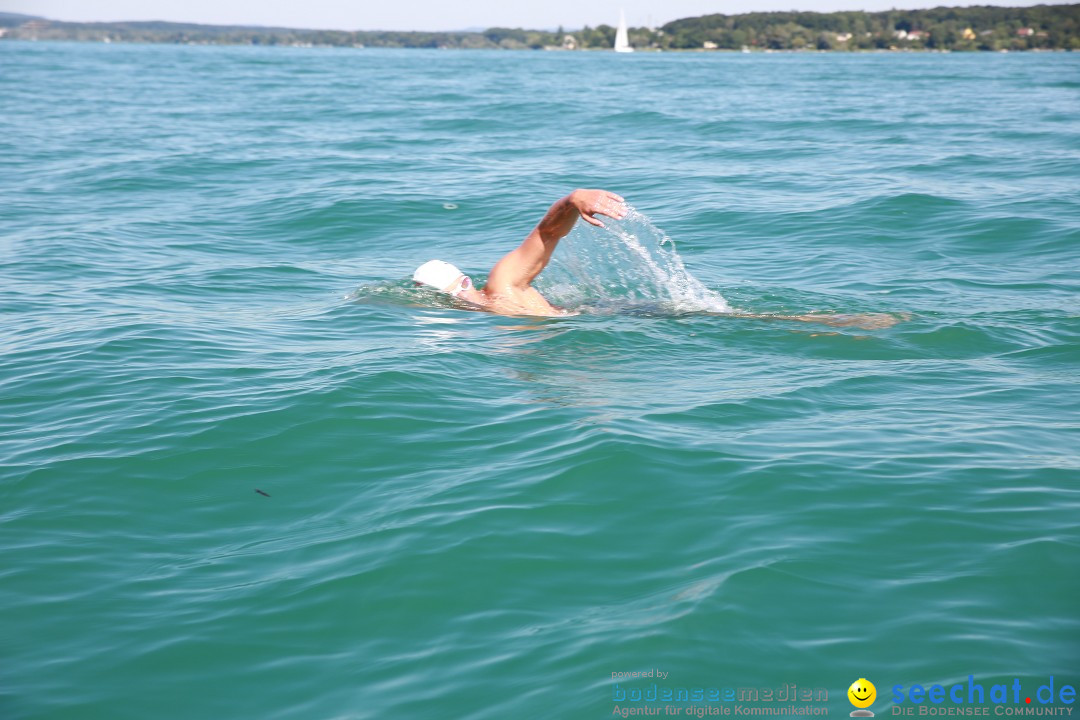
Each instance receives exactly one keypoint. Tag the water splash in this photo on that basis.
(403, 292)
(628, 266)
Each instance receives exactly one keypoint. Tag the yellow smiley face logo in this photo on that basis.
(862, 693)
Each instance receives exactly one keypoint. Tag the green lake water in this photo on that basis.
(247, 470)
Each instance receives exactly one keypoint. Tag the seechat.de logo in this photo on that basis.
(862, 694)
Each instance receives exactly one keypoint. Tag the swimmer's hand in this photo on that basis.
(590, 203)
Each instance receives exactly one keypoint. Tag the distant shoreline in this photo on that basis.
(961, 29)
(587, 51)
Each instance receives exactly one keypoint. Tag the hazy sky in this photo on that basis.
(435, 14)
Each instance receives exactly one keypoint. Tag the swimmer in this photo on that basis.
(509, 289)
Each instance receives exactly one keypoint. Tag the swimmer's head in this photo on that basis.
(446, 278)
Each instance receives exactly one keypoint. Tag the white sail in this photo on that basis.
(622, 40)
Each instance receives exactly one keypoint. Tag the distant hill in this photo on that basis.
(166, 26)
(13, 19)
(1042, 27)
(957, 28)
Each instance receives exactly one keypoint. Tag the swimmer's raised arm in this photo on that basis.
(521, 266)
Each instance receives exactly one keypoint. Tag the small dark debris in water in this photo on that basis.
(261, 492)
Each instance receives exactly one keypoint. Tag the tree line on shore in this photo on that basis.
(1042, 27)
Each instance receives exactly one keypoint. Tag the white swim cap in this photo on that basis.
(438, 274)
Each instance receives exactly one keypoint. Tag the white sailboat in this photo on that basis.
(622, 40)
